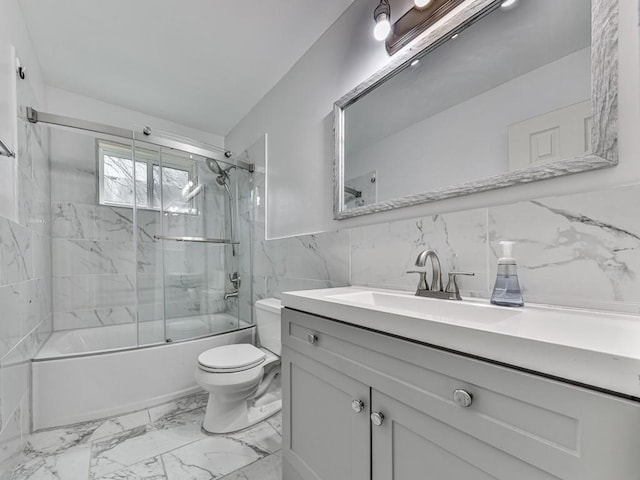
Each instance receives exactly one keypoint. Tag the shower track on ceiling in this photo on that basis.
(48, 118)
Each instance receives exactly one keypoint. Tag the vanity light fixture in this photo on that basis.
(382, 17)
(421, 3)
(422, 14)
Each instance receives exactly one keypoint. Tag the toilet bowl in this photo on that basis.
(237, 376)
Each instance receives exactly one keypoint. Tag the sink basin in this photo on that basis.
(429, 308)
(587, 346)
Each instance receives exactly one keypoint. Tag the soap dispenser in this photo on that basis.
(506, 291)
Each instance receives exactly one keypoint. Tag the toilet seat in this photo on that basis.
(231, 358)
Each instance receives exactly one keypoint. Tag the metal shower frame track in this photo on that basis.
(146, 136)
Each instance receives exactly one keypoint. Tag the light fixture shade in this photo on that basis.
(382, 16)
(421, 3)
(382, 28)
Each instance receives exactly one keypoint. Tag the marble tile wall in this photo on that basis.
(578, 250)
(94, 264)
(25, 281)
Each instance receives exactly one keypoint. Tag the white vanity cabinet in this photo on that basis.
(518, 426)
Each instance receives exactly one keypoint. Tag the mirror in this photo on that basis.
(488, 98)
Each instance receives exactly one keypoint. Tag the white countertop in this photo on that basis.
(596, 348)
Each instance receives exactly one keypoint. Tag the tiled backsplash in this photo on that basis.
(579, 250)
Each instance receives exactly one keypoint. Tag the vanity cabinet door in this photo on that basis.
(325, 436)
(411, 444)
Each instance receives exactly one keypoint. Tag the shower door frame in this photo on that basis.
(35, 116)
(146, 136)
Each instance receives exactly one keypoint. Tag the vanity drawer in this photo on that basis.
(564, 431)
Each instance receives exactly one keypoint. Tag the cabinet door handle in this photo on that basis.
(377, 418)
(357, 405)
(462, 398)
(312, 338)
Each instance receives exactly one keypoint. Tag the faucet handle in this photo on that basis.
(422, 282)
(452, 286)
(235, 280)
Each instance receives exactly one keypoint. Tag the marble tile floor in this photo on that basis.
(165, 442)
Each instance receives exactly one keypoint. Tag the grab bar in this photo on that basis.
(6, 151)
(196, 239)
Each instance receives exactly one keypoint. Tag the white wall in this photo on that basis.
(297, 115)
(13, 34)
(62, 102)
(13, 30)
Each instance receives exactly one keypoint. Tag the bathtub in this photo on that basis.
(92, 373)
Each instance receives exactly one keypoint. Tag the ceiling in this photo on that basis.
(200, 63)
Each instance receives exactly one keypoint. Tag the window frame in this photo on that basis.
(151, 159)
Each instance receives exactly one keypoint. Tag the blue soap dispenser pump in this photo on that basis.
(506, 291)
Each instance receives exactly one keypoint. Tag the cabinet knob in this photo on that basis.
(462, 398)
(357, 405)
(312, 338)
(377, 418)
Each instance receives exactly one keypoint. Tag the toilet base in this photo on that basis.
(228, 418)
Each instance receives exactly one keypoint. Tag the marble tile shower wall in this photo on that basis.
(580, 250)
(94, 264)
(25, 281)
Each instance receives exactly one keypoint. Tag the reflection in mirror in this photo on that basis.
(508, 95)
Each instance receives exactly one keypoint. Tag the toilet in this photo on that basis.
(237, 376)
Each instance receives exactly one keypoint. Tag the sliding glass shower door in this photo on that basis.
(188, 257)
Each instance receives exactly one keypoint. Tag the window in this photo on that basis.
(117, 179)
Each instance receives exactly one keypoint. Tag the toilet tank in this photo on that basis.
(268, 324)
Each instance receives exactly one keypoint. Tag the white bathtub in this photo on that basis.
(116, 337)
(77, 375)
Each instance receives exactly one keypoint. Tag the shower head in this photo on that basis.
(222, 178)
(215, 167)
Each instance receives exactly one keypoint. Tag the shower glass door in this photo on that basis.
(187, 251)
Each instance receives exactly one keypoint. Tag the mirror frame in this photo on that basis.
(604, 101)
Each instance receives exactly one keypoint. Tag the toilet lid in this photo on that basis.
(232, 357)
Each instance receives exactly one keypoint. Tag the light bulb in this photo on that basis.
(421, 3)
(382, 28)
(508, 4)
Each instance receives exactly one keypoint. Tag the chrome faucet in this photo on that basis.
(452, 292)
(436, 275)
(452, 286)
(235, 282)
(229, 295)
